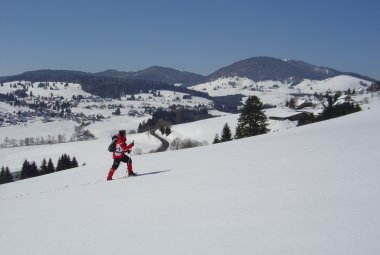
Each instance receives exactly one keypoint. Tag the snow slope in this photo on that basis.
(307, 190)
(202, 131)
(277, 92)
(38, 130)
(46, 89)
(205, 130)
(338, 83)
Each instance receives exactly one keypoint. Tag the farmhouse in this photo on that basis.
(286, 114)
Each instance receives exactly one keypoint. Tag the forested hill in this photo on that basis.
(102, 86)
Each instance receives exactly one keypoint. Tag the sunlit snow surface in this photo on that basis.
(307, 190)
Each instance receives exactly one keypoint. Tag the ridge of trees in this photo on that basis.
(167, 118)
(30, 169)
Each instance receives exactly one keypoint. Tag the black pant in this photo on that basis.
(125, 159)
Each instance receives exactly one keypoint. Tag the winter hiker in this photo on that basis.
(119, 155)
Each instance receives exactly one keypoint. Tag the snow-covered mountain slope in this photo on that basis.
(205, 130)
(45, 89)
(235, 85)
(307, 190)
(338, 83)
(276, 92)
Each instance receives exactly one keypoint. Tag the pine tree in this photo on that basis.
(162, 130)
(8, 175)
(168, 130)
(44, 166)
(50, 167)
(25, 170)
(33, 169)
(59, 164)
(252, 120)
(62, 163)
(67, 161)
(216, 139)
(226, 134)
(2, 175)
(74, 163)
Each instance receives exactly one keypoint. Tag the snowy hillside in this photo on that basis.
(307, 190)
(205, 130)
(338, 83)
(276, 92)
(47, 110)
(202, 131)
(45, 89)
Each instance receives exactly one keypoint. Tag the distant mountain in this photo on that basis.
(114, 74)
(267, 68)
(154, 73)
(110, 83)
(47, 75)
(256, 69)
(158, 73)
(169, 75)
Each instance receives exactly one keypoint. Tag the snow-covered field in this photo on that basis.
(307, 190)
(38, 130)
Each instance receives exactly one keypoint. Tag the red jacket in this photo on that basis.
(121, 147)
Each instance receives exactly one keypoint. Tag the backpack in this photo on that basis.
(112, 146)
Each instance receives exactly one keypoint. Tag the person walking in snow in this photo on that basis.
(119, 155)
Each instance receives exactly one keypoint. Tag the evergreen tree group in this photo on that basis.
(5, 175)
(30, 169)
(173, 116)
(64, 162)
(47, 167)
(225, 136)
(338, 110)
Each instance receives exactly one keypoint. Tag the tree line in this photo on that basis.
(163, 118)
(30, 169)
(80, 134)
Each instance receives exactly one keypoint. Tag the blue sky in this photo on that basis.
(196, 36)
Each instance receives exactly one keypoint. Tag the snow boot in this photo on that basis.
(131, 173)
(110, 174)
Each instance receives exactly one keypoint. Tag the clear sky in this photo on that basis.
(195, 35)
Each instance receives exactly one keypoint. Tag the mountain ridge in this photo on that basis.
(269, 68)
(255, 68)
